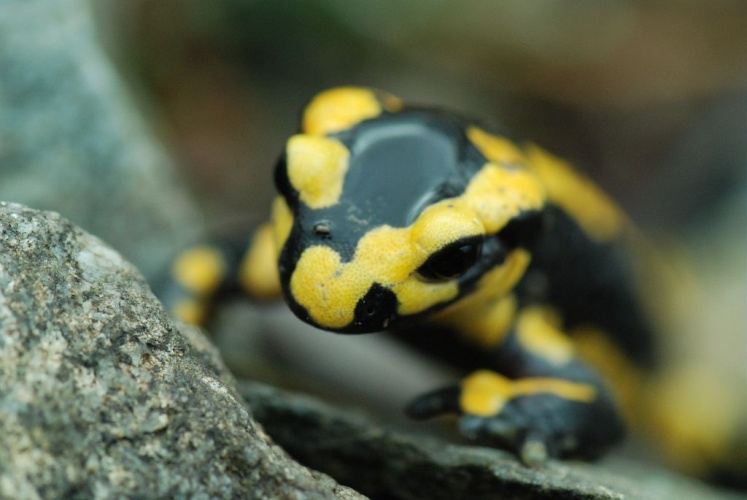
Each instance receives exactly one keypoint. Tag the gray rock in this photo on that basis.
(100, 396)
(73, 140)
(381, 462)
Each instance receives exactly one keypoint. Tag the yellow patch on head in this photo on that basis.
(315, 285)
(485, 393)
(200, 270)
(344, 107)
(442, 223)
(496, 149)
(597, 214)
(329, 289)
(258, 272)
(316, 169)
(537, 330)
(496, 195)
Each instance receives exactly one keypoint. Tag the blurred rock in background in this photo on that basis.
(73, 140)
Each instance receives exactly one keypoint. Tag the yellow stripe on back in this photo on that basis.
(537, 331)
(597, 214)
(596, 347)
(190, 310)
(496, 149)
(594, 211)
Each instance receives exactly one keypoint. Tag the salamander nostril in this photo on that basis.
(374, 311)
(323, 229)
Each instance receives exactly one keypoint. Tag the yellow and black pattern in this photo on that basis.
(493, 255)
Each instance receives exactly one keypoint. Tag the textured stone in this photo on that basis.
(381, 462)
(100, 396)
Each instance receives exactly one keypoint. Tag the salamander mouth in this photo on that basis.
(374, 312)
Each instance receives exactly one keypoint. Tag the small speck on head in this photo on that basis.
(323, 229)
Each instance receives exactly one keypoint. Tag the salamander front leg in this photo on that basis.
(201, 275)
(539, 405)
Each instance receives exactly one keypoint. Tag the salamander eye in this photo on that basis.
(452, 261)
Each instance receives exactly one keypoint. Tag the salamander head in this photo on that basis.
(390, 212)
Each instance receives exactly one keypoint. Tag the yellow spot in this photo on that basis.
(258, 272)
(200, 269)
(282, 223)
(317, 168)
(538, 332)
(496, 149)
(496, 195)
(315, 285)
(597, 214)
(344, 107)
(485, 393)
(483, 323)
(190, 311)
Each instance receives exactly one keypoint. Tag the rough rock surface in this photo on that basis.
(72, 139)
(381, 462)
(100, 396)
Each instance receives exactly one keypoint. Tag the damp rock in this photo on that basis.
(386, 463)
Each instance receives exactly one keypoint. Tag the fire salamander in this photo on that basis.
(495, 257)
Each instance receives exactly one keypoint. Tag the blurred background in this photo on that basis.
(648, 98)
